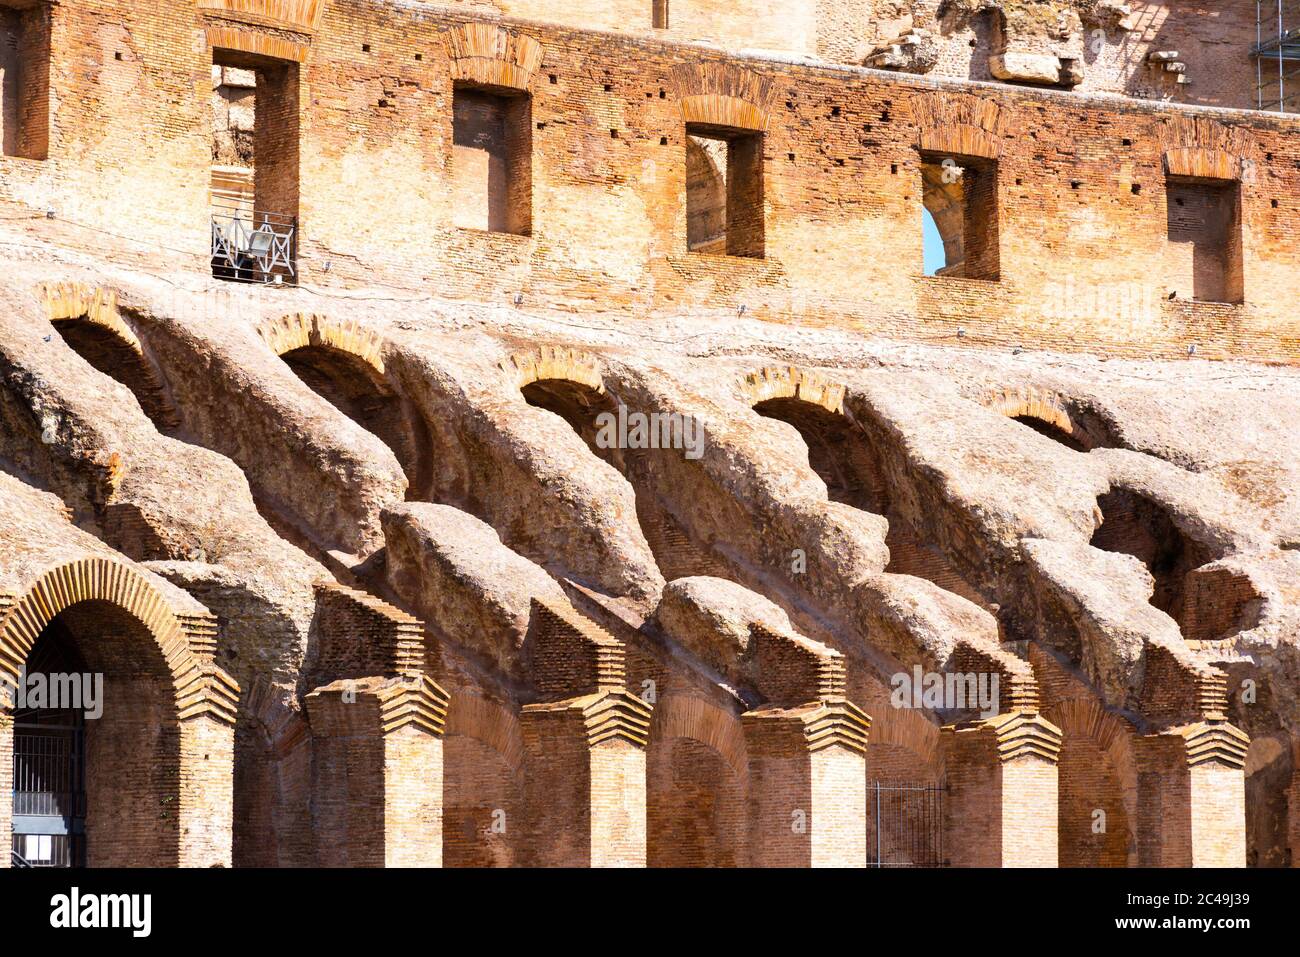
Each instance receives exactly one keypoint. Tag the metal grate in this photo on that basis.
(253, 247)
(905, 825)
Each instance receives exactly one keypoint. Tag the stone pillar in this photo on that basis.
(807, 784)
(377, 776)
(585, 786)
(1192, 796)
(1001, 805)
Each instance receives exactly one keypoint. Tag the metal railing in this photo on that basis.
(906, 825)
(253, 245)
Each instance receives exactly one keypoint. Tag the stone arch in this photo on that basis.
(851, 463)
(88, 320)
(697, 780)
(1210, 599)
(343, 362)
(158, 760)
(1096, 771)
(483, 755)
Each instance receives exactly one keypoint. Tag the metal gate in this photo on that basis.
(49, 796)
(49, 764)
(905, 825)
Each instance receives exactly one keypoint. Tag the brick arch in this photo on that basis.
(490, 723)
(713, 93)
(491, 55)
(483, 757)
(88, 320)
(298, 15)
(95, 305)
(958, 124)
(792, 382)
(198, 690)
(553, 362)
(908, 729)
(682, 716)
(1034, 403)
(301, 330)
(697, 786)
(1084, 720)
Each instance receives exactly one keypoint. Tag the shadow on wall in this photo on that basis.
(1208, 603)
(365, 397)
(852, 468)
(676, 554)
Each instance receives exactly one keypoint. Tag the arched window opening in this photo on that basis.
(845, 459)
(108, 353)
(1208, 603)
(360, 393)
(674, 551)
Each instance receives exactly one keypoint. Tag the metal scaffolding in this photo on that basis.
(1277, 55)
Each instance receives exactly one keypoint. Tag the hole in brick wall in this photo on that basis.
(1126, 141)
(663, 141)
(659, 14)
(724, 191)
(961, 197)
(492, 159)
(25, 80)
(1135, 188)
(117, 55)
(1204, 232)
(1273, 203)
(359, 392)
(608, 87)
(848, 462)
(365, 48)
(1133, 524)
(835, 111)
(419, 56)
(1075, 184)
(613, 134)
(552, 78)
(108, 353)
(255, 162)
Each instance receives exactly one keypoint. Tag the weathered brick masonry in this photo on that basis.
(629, 655)
(1085, 258)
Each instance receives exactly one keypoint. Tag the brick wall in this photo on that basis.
(1081, 183)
